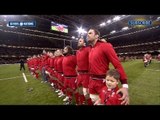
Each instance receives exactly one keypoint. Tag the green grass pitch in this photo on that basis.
(144, 86)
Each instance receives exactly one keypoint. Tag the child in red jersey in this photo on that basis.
(108, 94)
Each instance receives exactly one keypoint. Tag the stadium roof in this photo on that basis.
(111, 22)
(110, 26)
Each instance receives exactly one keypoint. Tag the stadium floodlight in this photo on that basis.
(125, 28)
(112, 32)
(158, 18)
(108, 21)
(116, 18)
(73, 37)
(123, 15)
(103, 24)
(76, 38)
(8, 16)
(81, 30)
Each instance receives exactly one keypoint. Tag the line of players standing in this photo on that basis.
(81, 76)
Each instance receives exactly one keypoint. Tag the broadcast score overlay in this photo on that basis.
(22, 23)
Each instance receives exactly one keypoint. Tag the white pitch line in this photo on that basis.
(24, 76)
(12, 77)
(153, 69)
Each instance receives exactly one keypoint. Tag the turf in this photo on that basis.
(144, 86)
